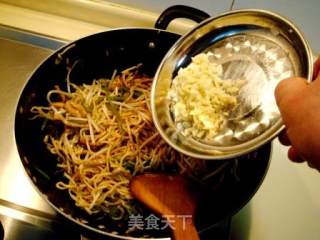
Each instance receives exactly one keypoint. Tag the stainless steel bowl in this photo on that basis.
(258, 45)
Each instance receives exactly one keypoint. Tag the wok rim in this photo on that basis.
(66, 216)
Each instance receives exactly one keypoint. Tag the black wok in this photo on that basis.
(99, 55)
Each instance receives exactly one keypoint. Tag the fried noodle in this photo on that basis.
(108, 138)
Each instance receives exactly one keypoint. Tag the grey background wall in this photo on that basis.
(305, 14)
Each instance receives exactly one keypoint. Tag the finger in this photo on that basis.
(289, 87)
(284, 139)
(316, 69)
(311, 165)
(287, 94)
(294, 155)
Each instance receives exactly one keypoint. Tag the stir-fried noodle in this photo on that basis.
(108, 138)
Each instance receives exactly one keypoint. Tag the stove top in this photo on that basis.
(17, 61)
(23, 213)
(17, 222)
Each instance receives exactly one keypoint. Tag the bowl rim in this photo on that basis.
(242, 148)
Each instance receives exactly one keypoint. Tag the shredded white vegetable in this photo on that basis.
(201, 100)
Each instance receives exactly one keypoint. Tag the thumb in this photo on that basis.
(288, 88)
(316, 69)
(288, 93)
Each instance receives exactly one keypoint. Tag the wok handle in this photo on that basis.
(179, 11)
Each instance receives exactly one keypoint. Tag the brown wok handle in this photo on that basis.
(184, 230)
(180, 11)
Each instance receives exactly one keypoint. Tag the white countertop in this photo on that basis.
(287, 206)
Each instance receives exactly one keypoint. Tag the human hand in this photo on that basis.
(299, 104)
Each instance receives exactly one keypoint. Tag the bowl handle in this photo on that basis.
(179, 11)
